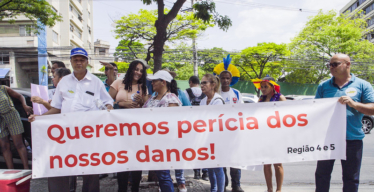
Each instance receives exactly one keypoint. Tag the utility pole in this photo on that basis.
(195, 69)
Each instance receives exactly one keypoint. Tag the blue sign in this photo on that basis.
(42, 56)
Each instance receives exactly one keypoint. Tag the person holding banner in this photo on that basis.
(10, 123)
(57, 76)
(166, 95)
(231, 96)
(210, 86)
(271, 92)
(78, 91)
(130, 92)
(358, 95)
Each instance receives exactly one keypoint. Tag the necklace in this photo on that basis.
(162, 95)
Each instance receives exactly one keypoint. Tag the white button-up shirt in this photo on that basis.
(72, 95)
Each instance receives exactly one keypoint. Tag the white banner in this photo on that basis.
(188, 137)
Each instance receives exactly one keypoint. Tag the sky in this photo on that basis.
(253, 21)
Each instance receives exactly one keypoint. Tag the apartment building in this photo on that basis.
(367, 6)
(18, 43)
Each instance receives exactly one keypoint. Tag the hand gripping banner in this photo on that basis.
(188, 137)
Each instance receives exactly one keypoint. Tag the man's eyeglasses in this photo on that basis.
(333, 65)
(205, 82)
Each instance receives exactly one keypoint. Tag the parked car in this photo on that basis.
(249, 98)
(26, 92)
(367, 120)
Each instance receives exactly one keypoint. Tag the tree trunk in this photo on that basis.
(159, 45)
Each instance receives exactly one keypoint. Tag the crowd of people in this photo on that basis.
(78, 91)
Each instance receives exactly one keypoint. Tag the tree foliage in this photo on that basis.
(261, 60)
(323, 36)
(205, 11)
(33, 9)
(136, 28)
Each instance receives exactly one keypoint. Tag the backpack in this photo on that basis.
(195, 101)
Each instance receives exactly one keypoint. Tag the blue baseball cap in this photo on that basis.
(78, 51)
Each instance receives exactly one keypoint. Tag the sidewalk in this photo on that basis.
(109, 184)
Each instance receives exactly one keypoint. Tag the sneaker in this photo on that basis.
(197, 175)
(205, 177)
(182, 189)
(237, 189)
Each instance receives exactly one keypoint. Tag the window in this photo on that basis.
(89, 29)
(80, 1)
(4, 59)
(76, 30)
(26, 30)
(89, 14)
(76, 13)
(101, 51)
(55, 36)
(9, 30)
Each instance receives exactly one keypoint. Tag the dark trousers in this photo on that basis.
(235, 176)
(204, 170)
(123, 179)
(164, 180)
(351, 169)
(61, 184)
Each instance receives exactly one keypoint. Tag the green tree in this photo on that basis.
(261, 60)
(136, 28)
(205, 11)
(33, 9)
(323, 36)
(127, 50)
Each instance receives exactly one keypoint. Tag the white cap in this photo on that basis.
(164, 75)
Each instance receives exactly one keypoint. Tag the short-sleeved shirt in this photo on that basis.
(169, 98)
(125, 95)
(73, 95)
(360, 91)
(216, 100)
(233, 96)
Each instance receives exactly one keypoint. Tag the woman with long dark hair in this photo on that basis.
(130, 92)
(271, 92)
(166, 95)
(209, 86)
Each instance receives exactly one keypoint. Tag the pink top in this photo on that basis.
(163, 102)
(122, 94)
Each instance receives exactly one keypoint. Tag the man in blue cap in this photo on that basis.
(78, 92)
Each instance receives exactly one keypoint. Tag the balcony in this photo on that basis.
(77, 5)
(76, 21)
(75, 39)
(26, 41)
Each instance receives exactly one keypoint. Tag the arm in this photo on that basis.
(36, 99)
(50, 112)
(18, 96)
(282, 98)
(113, 92)
(365, 108)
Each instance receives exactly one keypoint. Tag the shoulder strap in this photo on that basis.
(9, 98)
(202, 96)
(189, 91)
(220, 98)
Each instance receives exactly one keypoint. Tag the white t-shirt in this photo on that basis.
(214, 101)
(231, 98)
(195, 90)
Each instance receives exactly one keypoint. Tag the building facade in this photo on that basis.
(367, 6)
(18, 43)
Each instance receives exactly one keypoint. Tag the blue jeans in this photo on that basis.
(217, 179)
(164, 180)
(179, 175)
(351, 169)
(235, 177)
